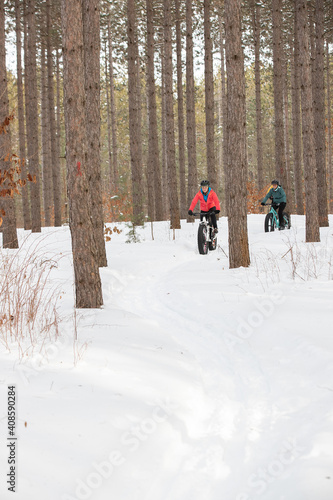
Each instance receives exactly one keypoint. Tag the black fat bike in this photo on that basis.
(207, 238)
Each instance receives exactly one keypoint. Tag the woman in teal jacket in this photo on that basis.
(279, 200)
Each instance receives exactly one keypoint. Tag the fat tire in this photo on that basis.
(213, 243)
(269, 223)
(202, 239)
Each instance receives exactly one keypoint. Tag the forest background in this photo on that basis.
(158, 91)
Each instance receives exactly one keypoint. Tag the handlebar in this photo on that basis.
(202, 213)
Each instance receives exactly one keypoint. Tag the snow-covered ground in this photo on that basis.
(193, 382)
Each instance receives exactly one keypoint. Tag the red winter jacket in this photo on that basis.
(205, 206)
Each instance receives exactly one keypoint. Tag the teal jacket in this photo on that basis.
(278, 195)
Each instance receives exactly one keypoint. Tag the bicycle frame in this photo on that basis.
(207, 239)
(206, 220)
(275, 216)
(275, 220)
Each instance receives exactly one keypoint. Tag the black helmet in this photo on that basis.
(204, 183)
(274, 181)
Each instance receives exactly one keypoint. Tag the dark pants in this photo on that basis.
(212, 216)
(279, 210)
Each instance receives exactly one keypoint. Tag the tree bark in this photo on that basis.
(46, 143)
(209, 97)
(88, 289)
(20, 110)
(113, 110)
(180, 101)
(192, 185)
(112, 184)
(329, 129)
(286, 128)
(134, 118)
(224, 117)
(170, 130)
(280, 160)
(236, 158)
(32, 117)
(165, 193)
(55, 161)
(311, 197)
(9, 233)
(256, 38)
(296, 124)
(59, 113)
(155, 205)
(91, 40)
(319, 114)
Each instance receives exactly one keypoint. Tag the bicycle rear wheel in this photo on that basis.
(213, 241)
(287, 220)
(269, 223)
(202, 239)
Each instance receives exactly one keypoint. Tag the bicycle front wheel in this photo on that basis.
(202, 239)
(269, 223)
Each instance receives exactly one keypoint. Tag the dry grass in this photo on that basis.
(309, 261)
(28, 301)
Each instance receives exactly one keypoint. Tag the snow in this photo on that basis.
(194, 381)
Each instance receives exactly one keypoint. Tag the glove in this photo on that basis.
(190, 212)
(217, 211)
(263, 204)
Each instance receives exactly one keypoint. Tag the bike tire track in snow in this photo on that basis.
(240, 409)
(164, 295)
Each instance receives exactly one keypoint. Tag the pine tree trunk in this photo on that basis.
(112, 184)
(296, 124)
(88, 289)
(165, 193)
(155, 205)
(311, 198)
(220, 108)
(59, 113)
(170, 127)
(55, 161)
(256, 37)
(134, 116)
(32, 117)
(280, 160)
(192, 185)
(150, 93)
(319, 113)
(237, 164)
(310, 8)
(180, 101)
(140, 124)
(9, 233)
(91, 40)
(113, 110)
(286, 129)
(209, 97)
(46, 143)
(20, 110)
(224, 118)
(329, 130)
(140, 121)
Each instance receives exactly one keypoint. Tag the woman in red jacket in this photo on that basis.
(209, 203)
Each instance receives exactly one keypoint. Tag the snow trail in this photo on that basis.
(193, 381)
